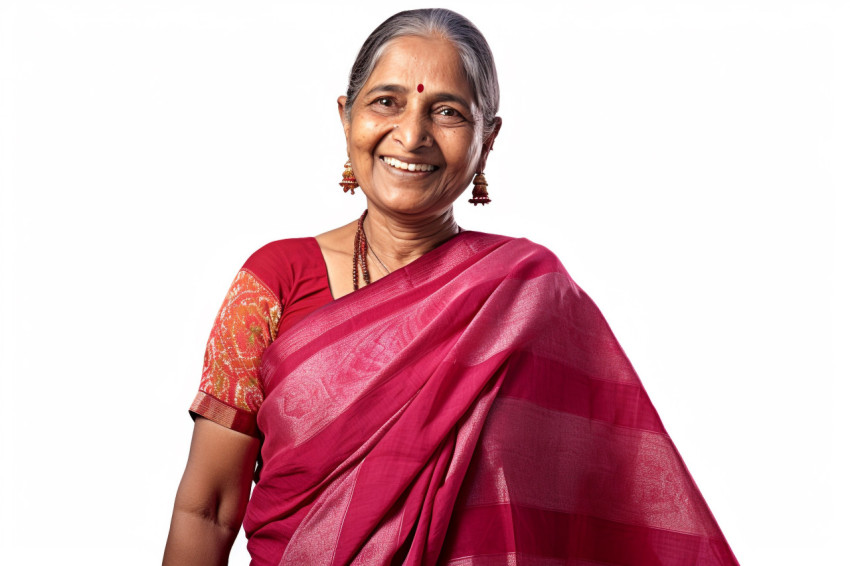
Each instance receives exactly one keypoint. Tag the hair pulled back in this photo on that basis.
(473, 50)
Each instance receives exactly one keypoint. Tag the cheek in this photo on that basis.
(461, 149)
(473, 156)
(366, 135)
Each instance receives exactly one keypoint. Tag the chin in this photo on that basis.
(404, 206)
(402, 200)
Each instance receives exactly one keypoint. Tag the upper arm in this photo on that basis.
(218, 475)
(217, 480)
(231, 390)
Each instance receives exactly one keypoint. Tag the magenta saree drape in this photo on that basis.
(471, 408)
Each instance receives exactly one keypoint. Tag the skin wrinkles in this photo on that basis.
(411, 212)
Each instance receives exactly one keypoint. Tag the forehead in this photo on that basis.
(432, 61)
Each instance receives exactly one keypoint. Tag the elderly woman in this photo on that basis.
(404, 391)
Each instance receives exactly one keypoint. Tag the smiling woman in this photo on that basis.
(415, 152)
(439, 395)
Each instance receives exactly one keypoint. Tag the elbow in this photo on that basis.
(225, 518)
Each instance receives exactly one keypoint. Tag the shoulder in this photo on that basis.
(279, 264)
(536, 258)
(521, 258)
(281, 252)
(516, 250)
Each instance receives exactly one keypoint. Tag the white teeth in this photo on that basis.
(408, 166)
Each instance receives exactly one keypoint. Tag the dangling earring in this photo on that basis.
(479, 190)
(348, 181)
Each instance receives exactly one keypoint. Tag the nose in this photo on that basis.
(412, 131)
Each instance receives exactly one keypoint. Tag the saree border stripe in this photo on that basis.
(370, 305)
(491, 530)
(520, 558)
(563, 387)
(641, 480)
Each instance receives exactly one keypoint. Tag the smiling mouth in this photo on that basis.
(397, 164)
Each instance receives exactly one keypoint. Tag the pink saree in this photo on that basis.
(472, 408)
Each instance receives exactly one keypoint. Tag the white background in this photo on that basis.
(687, 161)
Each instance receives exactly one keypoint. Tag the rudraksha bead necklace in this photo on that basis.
(361, 248)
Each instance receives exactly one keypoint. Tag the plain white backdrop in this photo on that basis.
(687, 161)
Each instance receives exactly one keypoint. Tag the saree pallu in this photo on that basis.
(472, 408)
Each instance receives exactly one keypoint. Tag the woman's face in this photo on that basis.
(397, 125)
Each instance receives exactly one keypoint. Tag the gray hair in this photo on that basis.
(473, 50)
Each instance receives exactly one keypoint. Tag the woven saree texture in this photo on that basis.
(472, 408)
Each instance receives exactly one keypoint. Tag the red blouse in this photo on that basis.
(280, 284)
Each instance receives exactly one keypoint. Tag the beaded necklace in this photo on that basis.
(361, 248)
(360, 245)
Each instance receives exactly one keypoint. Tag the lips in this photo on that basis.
(399, 164)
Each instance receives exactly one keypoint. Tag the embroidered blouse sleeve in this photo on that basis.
(231, 391)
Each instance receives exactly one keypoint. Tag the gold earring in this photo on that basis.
(479, 190)
(348, 181)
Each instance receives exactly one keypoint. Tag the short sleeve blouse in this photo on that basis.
(280, 284)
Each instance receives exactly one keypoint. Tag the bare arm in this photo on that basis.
(212, 496)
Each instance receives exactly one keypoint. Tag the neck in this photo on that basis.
(400, 241)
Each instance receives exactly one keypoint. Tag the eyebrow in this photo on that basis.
(438, 97)
(387, 88)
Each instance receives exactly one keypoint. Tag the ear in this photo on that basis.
(488, 145)
(345, 124)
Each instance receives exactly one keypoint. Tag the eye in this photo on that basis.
(385, 105)
(384, 101)
(447, 114)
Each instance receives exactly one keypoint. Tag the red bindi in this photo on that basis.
(420, 88)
